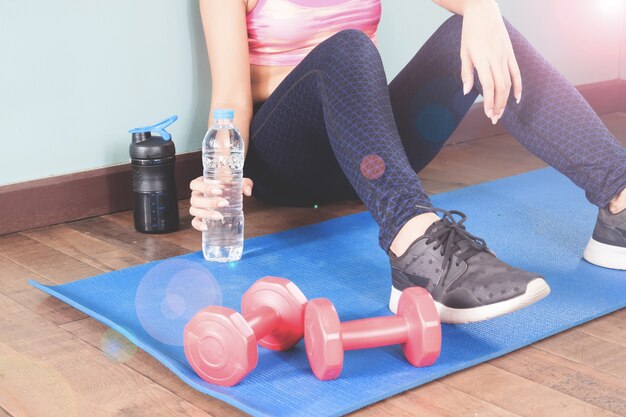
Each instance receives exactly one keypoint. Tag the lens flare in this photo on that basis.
(610, 6)
(170, 294)
(435, 123)
(116, 347)
(372, 166)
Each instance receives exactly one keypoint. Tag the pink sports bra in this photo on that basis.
(283, 32)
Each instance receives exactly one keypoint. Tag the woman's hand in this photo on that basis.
(486, 46)
(204, 207)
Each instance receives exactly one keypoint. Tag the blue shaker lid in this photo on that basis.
(156, 128)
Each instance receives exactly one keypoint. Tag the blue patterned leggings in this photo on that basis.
(333, 129)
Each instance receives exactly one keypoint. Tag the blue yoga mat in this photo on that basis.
(538, 221)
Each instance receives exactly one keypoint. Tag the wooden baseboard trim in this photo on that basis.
(64, 198)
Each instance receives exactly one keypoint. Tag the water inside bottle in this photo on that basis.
(223, 239)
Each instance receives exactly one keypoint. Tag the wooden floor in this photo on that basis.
(52, 361)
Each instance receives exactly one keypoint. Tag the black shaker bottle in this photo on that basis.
(152, 158)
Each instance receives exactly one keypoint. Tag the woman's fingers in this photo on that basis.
(496, 82)
(516, 78)
(247, 185)
(198, 224)
(198, 200)
(467, 71)
(214, 187)
(205, 213)
(502, 85)
(486, 80)
(209, 187)
(203, 207)
(206, 201)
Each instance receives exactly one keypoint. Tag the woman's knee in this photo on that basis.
(446, 39)
(348, 44)
(351, 37)
(452, 28)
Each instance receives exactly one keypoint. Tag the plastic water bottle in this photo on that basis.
(222, 158)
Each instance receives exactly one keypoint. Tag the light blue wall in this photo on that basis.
(75, 75)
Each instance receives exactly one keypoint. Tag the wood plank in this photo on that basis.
(53, 373)
(22, 373)
(13, 284)
(437, 399)
(384, 408)
(146, 246)
(181, 238)
(586, 384)
(44, 260)
(611, 327)
(587, 350)
(519, 395)
(85, 248)
(92, 331)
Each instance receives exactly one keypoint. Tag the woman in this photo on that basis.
(308, 88)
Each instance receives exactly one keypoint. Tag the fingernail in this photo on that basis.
(216, 216)
(216, 191)
(466, 88)
(494, 119)
(518, 99)
(248, 190)
(222, 203)
(490, 113)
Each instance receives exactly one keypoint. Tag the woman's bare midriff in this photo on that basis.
(265, 79)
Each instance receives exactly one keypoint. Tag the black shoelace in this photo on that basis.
(451, 234)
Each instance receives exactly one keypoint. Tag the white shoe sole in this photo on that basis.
(608, 256)
(535, 291)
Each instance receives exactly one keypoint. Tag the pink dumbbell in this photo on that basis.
(220, 344)
(416, 326)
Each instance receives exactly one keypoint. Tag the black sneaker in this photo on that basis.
(607, 246)
(466, 280)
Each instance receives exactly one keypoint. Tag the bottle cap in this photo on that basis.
(220, 114)
(141, 133)
(146, 146)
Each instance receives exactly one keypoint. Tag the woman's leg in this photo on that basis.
(332, 115)
(553, 121)
(328, 130)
